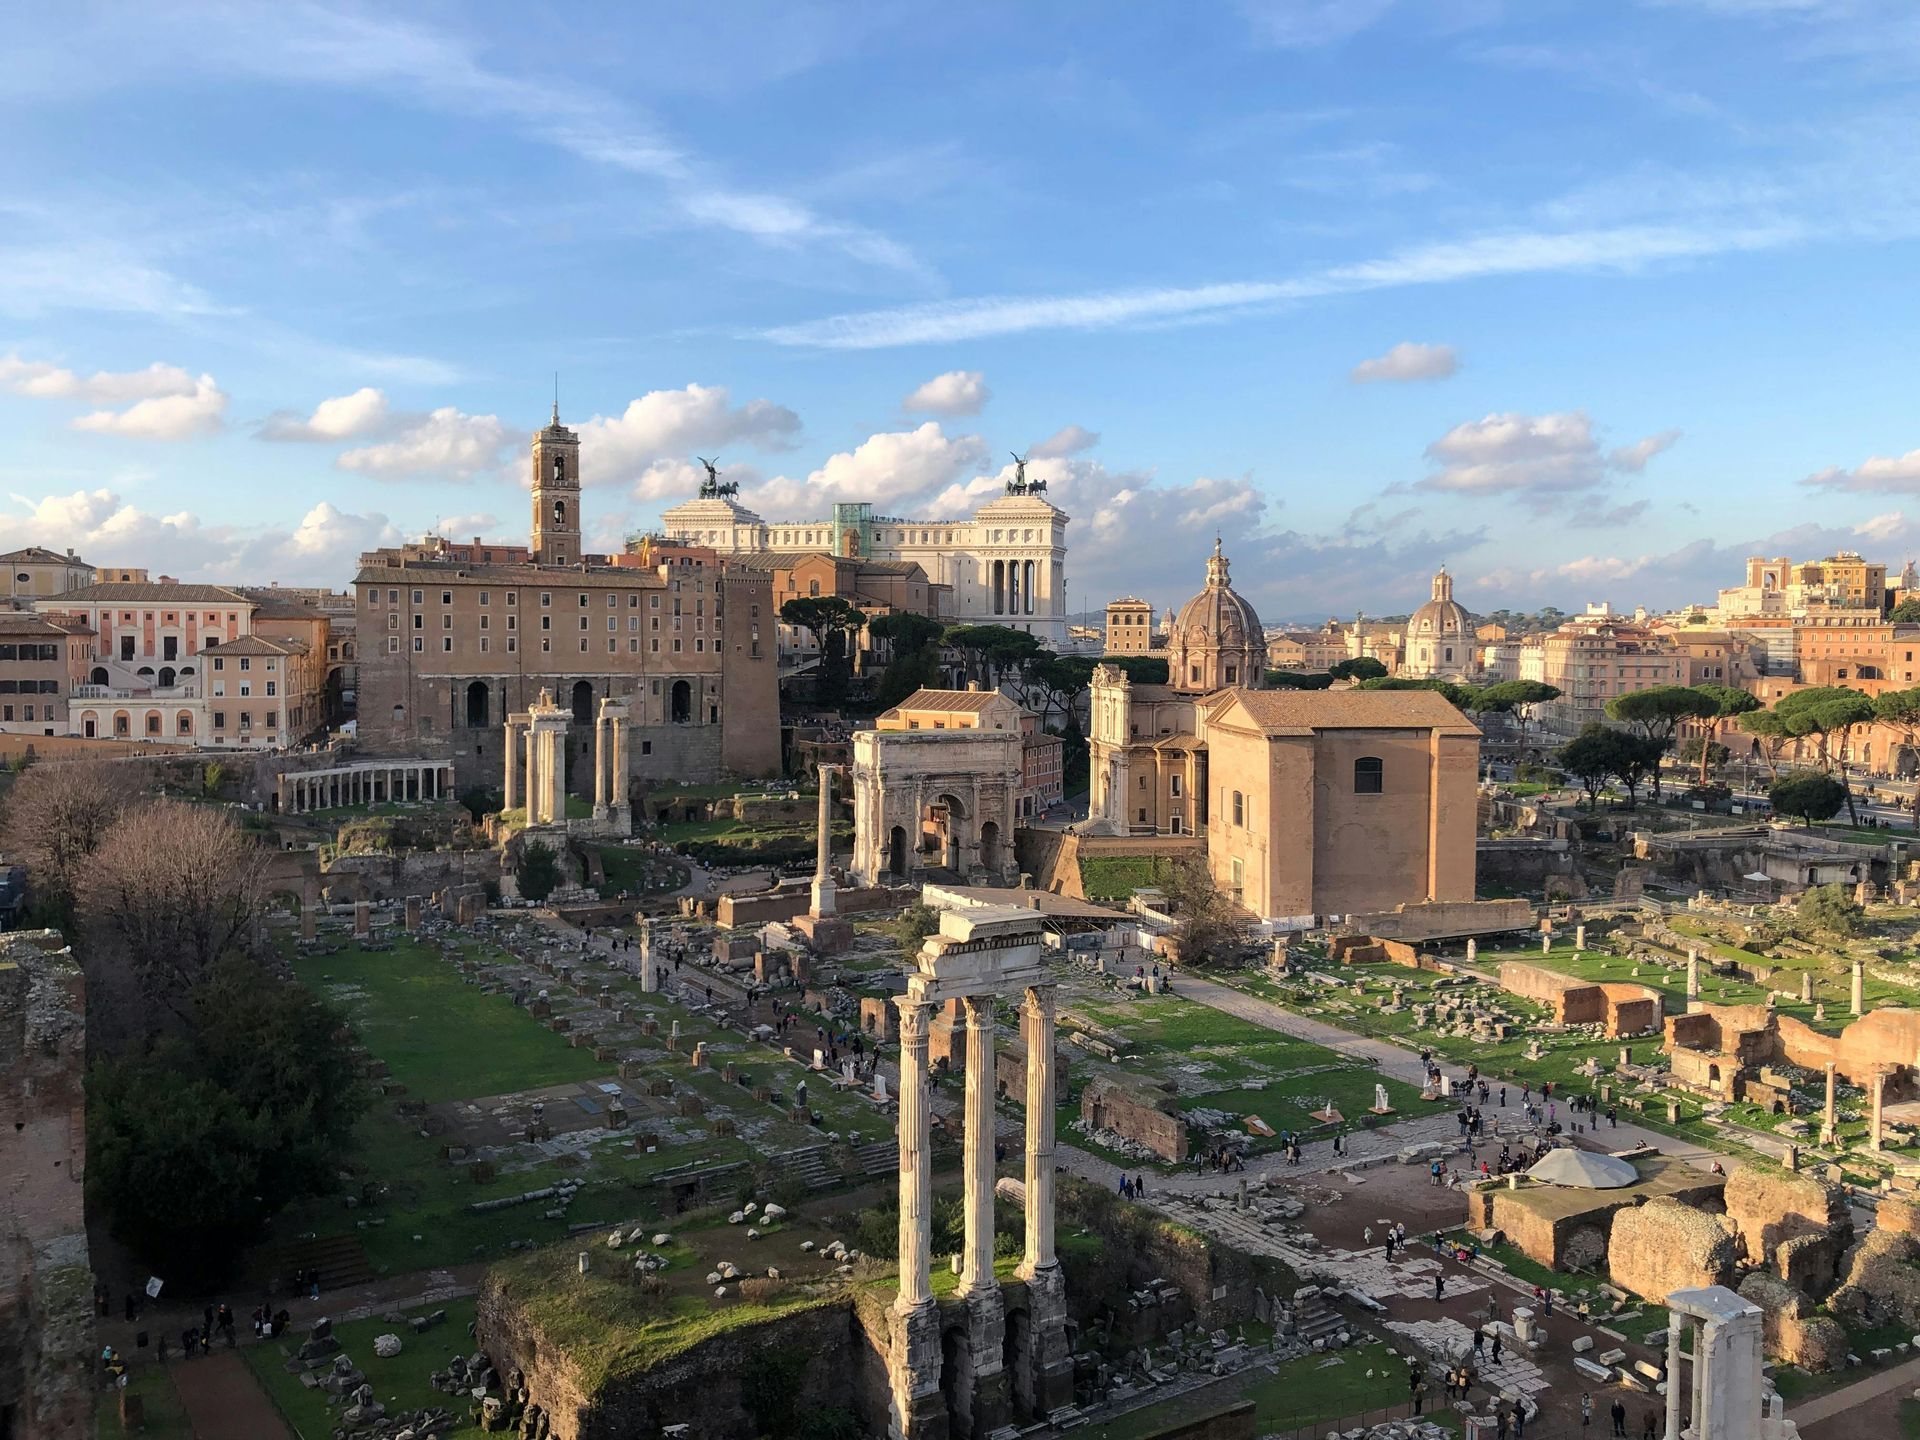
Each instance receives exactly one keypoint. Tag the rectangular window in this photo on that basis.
(393, 645)
(483, 644)
(513, 597)
(583, 599)
(676, 646)
(646, 747)
(271, 686)
(483, 621)
(418, 644)
(483, 597)
(416, 597)
(419, 621)
(546, 599)
(446, 622)
(219, 719)
(446, 597)
(513, 644)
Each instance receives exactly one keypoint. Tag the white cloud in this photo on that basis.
(958, 392)
(1067, 440)
(104, 387)
(1408, 361)
(343, 417)
(1876, 475)
(465, 527)
(35, 279)
(887, 469)
(1633, 458)
(447, 443)
(165, 416)
(105, 528)
(1310, 24)
(1532, 455)
(672, 424)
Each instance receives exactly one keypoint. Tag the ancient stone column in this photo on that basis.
(822, 900)
(1473, 950)
(1806, 987)
(1859, 987)
(308, 925)
(601, 765)
(976, 1264)
(1693, 974)
(1036, 1018)
(510, 788)
(649, 978)
(1879, 1103)
(916, 1175)
(412, 914)
(1674, 1357)
(1827, 1131)
(362, 920)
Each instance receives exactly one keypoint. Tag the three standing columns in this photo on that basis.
(916, 1407)
(1046, 1379)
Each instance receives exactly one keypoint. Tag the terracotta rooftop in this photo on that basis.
(1349, 709)
(17, 622)
(257, 645)
(40, 555)
(132, 592)
(953, 702)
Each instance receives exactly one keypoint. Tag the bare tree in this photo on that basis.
(175, 886)
(57, 814)
(1209, 920)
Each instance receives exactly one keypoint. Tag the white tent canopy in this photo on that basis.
(1583, 1170)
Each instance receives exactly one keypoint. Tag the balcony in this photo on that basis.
(135, 692)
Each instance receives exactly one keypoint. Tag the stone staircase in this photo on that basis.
(1313, 1318)
(815, 1166)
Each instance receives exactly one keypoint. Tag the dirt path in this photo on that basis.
(224, 1402)
(1878, 1396)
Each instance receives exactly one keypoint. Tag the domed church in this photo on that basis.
(1440, 640)
(1217, 641)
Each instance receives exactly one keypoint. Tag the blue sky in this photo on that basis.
(1586, 300)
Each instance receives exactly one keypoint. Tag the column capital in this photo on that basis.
(916, 1014)
(1038, 1002)
(980, 1010)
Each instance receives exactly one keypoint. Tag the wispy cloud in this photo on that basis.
(1623, 248)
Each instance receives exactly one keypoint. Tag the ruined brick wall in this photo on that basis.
(1108, 1105)
(1666, 1245)
(46, 1301)
(1794, 1224)
(1010, 1069)
(1882, 1283)
(1885, 1038)
(1791, 1332)
(1630, 1009)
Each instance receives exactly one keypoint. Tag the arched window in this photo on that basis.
(681, 702)
(813, 587)
(98, 676)
(560, 512)
(1369, 775)
(166, 677)
(477, 697)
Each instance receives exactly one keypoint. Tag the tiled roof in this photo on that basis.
(15, 622)
(553, 577)
(257, 645)
(129, 592)
(953, 702)
(40, 555)
(1350, 709)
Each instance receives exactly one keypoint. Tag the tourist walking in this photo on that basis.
(1586, 1410)
(1619, 1413)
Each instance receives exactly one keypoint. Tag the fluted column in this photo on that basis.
(1826, 1124)
(1879, 1107)
(600, 758)
(976, 1263)
(822, 898)
(510, 796)
(1674, 1332)
(916, 1175)
(1036, 1018)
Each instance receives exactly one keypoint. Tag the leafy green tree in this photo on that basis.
(1053, 684)
(914, 924)
(1899, 711)
(1635, 759)
(1655, 715)
(1770, 735)
(1209, 921)
(1829, 713)
(195, 1142)
(1145, 669)
(989, 649)
(1689, 754)
(832, 620)
(1457, 694)
(1907, 612)
(1729, 701)
(1361, 667)
(1298, 680)
(537, 870)
(1590, 758)
(1830, 910)
(1813, 795)
(913, 662)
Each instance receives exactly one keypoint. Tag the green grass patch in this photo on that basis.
(399, 1383)
(640, 871)
(441, 1038)
(1115, 877)
(166, 1417)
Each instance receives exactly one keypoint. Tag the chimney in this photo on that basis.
(973, 687)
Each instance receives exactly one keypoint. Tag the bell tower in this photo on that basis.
(556, 494)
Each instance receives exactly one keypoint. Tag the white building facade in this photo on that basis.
(1005, 566)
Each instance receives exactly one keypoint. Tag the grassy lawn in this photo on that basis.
(166, 1418)
(641, 872)
(1313, 1388)
(399, 1383)
(441, 1038)
(1115, 877)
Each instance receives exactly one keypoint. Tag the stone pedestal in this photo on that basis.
(1047, 1381)
(362, 920)
(309, 926)
(825, 934)
(413, 914)
(917, 1409)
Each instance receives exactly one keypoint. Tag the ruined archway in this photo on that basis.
(897, 852)
(479, 700)
(681, 702)
(582, 703)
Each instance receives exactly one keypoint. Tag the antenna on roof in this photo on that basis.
(556, 397)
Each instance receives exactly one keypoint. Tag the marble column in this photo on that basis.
(600, 766)
(1827, 1131)
(649, 978)
(917, 1409)
(1859, 988)
(976, 1262)
(1036, 1017)
(1044, 1381)
(822, 898)
(1693, 974)
(1675, 1330)
(1879, 1106)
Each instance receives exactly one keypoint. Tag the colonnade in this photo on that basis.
(610, 728)
(536, 762)
(981, 1394)
(376, 782)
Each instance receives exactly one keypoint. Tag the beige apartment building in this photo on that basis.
(449, 647)
(150, 678)
(1130, 626)
(36, 572)
(1594, 658)
(1778, 586)
(43, 660)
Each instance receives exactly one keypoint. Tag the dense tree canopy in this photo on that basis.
(914, 662)
(1361, 667)
(1811, 794)
(832, 621)
(1655, 714)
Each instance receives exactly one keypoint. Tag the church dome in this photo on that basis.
(1440, 636)
(1217, 639)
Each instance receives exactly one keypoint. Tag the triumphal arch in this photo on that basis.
(935, 800)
